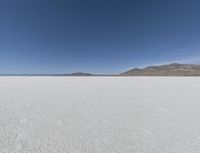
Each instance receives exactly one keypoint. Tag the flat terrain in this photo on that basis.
(99, 115)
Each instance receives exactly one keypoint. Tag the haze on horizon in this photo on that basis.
(97, 36)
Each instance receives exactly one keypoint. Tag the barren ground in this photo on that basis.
(99, 115)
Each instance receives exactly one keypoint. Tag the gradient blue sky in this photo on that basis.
(98, 36)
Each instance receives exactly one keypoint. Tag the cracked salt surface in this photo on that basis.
(99, 115)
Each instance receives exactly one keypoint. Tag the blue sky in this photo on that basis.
(98, 36)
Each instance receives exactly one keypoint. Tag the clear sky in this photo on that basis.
(98, 36)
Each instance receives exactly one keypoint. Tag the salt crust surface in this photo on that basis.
(99, 115)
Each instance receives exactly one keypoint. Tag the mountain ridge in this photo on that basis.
(173, 69)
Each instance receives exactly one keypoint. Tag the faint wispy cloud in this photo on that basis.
(188, 55)
(185, 55)
(190, 60)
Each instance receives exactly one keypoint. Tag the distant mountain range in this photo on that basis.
(173, 69)
(65, 74)
(29, 74)
(80, 74)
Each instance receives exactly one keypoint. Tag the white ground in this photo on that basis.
(99, 115)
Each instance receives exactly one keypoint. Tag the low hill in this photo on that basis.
(81, 74)
(173, 69)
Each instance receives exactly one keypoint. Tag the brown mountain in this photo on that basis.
(173, 69)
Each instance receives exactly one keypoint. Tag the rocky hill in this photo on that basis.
(173, 69)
